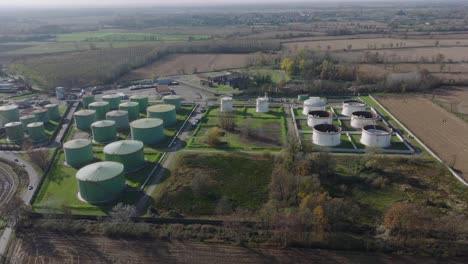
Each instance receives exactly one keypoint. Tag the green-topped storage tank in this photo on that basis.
(42, 115)
(132, 108)
(120, 117)
(101, 182)
(147, 130)
(8, 114)
(37, 132)
(53, 111)
(84, 119)
(14, 131)
(174, 100)
(101, 109)
(104, 131)
(142, 101)
(26, 120)
(78, 152)
(113, 100)
(87, 100)
(127, 152)
(163, 111)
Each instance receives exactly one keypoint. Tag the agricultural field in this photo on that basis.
(125, 37)
(454, 100)
(189, 63)
(443, 132)
(269, 128)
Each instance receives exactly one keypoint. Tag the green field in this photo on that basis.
(125, 36)
(271, 126)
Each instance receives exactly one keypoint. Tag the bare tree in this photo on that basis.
(122, 213)
(227, 121)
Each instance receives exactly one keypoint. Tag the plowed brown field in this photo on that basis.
(60, 248)
(441, 131)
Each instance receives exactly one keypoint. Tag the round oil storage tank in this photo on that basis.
(120, 117)
(319, 117)
(14, 131)
(78, 152)
(142, 101)
(26, 120)
(359, 119)
(113, 100)
(127, 152)
(302, 97)
(104, 131)
(37, 132)
(376, 136)
(313, 104)
(150, 131)
(87, 100)
(101, 182)
(132, 108)
(8, 114)
(101, 109)
(226, 104)
(174, 100)
(326, 135)
(351, 106)
(84, 119)
(42, 115)
(262, 105)
(60, 93)
(53, 111)
(163, 111)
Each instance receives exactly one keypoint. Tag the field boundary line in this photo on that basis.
(454, 173)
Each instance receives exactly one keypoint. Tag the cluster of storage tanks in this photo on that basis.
(105, 118)
(262, 104)
(325, 133)
(33, 124)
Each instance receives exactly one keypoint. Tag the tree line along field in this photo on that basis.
(453, 100)
(126, 36)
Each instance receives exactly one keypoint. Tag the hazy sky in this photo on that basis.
(152, 2)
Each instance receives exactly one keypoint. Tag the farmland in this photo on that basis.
(440, 130)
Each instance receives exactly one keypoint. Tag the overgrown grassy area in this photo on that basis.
(271, 129)
(241, 180)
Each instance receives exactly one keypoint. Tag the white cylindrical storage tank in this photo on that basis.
(351, 106)
(360, 119)
(60, 93)
(319, 117)
(313, 104)
(226, 104)
(376, 136)
(262, 105)
(326, 135)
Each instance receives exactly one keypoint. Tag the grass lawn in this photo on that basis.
(277, 76)
(271, 128)
(241, 178)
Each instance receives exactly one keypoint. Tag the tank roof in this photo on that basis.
(103, 123)
(117, 113)
(111, 96)
(8, 107)
(354, 102)
(38, 111)
(50, 105)
(85, 112)
(138, 96)
(100, 171)
(377, 129)
(129, 104)
(147, 123)
(315, 101)
(27, 117)
(77, 143)
(262, 99)
(226, 98)
(100, 103)
(36, 124)
(161, 108)
(327, 128)
(172, 96)
(123, 147)
(12, 124)
(320, 113)
(364, 114)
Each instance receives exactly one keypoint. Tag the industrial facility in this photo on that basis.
(37, 132)
(52, 111)
(42, 115)
(104, 131)
(262, 105)
(127, 152)
(351, 106)
(87, 100)
(174, 100)
(326, 135)
(148, 130)
(14, 131)
(360, 119)
(142, 101)
(113, 100)
(101, 109)
(313, 104)
(26, 120)
(319, 117)
(121, 119)
(101, 182)
(226, 104)
(376, 136)
(84, 119)
(163, 111)
(8, 114)
(78, 152)
(132, 108)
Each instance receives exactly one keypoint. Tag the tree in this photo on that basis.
(320, 223)
(199, 184)
(287, 65)
(14, 211)
(212, 136)
(227, 121)
(292, 146)
(223, 206)
(122, 213)
(40, 156)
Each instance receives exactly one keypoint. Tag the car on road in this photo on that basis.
(22, 165)
(30, 187)
(16, 160)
